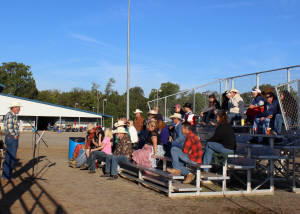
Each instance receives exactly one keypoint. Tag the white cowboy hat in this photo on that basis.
(15, 104)
(176, 115)
(119, 123)
(137, 111)
(234, 90)
(89, 127)
(256, 91)
(152, 112)
(120, 130)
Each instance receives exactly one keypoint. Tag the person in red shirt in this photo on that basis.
(191, 153)
(189, 116)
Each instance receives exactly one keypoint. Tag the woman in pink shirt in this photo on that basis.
(103, 150)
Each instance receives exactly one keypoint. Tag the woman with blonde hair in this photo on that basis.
(100, 152)
(152, 147)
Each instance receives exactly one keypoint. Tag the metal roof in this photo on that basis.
(39, 108)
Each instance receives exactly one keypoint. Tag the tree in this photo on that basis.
(18, 80)
(109, 85)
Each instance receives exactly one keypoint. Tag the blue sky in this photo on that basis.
(74, 43)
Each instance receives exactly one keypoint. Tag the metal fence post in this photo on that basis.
(232, 83)
(220, 93)
(288, 75)
(226, 84)
(257, 81)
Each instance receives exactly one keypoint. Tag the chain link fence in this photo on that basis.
(198, 96)
(288, 96)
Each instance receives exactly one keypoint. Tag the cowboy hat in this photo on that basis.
(15, 104)
(137, 111)
(89, 127)
(119, 123)
(120, 130)
(176, 115)
(152, 112)
(234, 90)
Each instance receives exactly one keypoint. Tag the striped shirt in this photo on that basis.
(11, 126)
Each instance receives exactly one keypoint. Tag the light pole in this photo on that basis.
(128, 68)
(104, 100)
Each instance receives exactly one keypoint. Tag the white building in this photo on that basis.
(41, 114)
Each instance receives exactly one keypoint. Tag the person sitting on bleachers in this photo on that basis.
(132, 132)
(179, 110)
(178, 138)
(208, 114)
(225, 100)
(223, 140)
(122, 153)
(189, 116)
(99, 153)
(163, 131)
(191, 153)
(266, 119)
(146, 155)
(256, 107)
(235, 105)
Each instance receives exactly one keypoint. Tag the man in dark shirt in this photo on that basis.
(191, 153)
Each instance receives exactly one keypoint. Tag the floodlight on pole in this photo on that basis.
(128, 57)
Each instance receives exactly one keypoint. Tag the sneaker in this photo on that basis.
(273, 133)
(114, 177)
(106, 175)
(212, 123)
(189, 178)
(174, 171)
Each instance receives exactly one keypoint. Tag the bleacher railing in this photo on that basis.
(198, 96)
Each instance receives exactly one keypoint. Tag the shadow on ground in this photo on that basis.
(23, 183)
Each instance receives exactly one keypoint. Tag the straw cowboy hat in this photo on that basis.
(120, 130)
(119, 123)
(15, 104)
(234, 90)
(89, 127)
(152, 112)
(137, 111)
(176, 115)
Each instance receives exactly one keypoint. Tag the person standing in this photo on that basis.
(12, 134)
(138, 121)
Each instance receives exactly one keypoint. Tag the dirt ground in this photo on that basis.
(61, 189)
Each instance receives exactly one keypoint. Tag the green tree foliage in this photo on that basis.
(18, 80)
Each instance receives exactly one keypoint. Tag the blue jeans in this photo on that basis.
(178, 160)
(96, 155)
(81, 159)
(210, 149)
(265, 123)
(10, 156)
(111, 163)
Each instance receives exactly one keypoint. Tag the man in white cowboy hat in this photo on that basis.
(12, 133)
(178, 137)
(235, 104)
(138, 121)
(122, 153)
